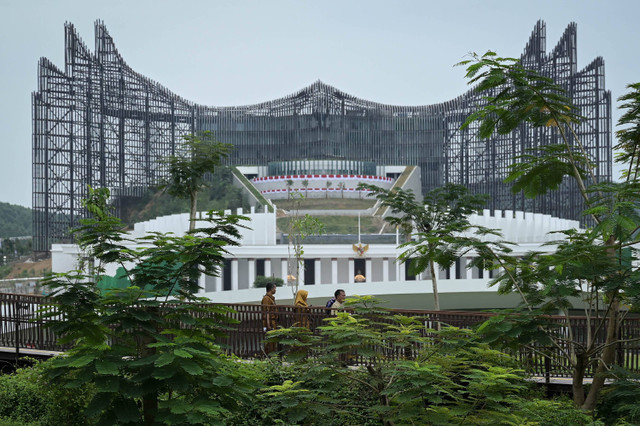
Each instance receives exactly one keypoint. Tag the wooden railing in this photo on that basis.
(20, 328)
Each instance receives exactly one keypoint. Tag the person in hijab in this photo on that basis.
(302, 308)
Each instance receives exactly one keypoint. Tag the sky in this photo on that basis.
(225, 53)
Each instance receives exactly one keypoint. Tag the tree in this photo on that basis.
(414, 376)
(328, 185)
(187, 172)
(595, 265)
(300, 227)
(342, 187)
(439, 228)
(305, 183)
(148, 350)
(289, 184)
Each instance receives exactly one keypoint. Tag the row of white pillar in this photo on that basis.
(284, 272)
(399, 274)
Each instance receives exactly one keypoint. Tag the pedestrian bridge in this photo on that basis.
(23, 334)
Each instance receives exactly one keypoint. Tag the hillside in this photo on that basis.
(220, 195)
(15, 221)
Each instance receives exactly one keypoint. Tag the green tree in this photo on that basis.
(413, 376)
(148, 350)
(289, 184)
(300, 227)
(187, 172)
(305, 184)
(328, 185)
(342, 187)
(439, 228)
(594, 265)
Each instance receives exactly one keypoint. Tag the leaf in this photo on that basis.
(223, 381)
(82, 361)
(164, 359)
(98, 404)
(107, 367)
(127, 410)
(107, 384)
(182, 353)
(191, 367)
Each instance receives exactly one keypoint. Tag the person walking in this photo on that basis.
(269, 317)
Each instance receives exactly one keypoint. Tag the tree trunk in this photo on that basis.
(194, 208)
(577, 378)
(434, 282)
(607, 358)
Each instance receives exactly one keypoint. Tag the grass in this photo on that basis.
(251, 188)
(327, 204)
(340, 224)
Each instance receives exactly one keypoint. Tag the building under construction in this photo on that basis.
(97, 122)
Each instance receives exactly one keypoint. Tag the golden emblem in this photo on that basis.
(360, 249)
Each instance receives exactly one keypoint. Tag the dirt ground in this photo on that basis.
(34, 269)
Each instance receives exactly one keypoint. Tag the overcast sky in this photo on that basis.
(222, 53)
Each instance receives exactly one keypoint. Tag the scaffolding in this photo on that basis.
(100, 123)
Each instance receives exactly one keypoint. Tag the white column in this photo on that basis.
(301, 273)
(452, 271)
(251, 272)
(463, 267)
(284, 270)
(352, 273)
(317, 271)
(234, 274)
(267, 267)
(202, 283)
(385, 269)
(334, 271)
(368, 274)
(217, 284)
(402, 273)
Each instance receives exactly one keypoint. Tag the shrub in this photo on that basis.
(262, 281)
(26, 398)
(620, 402)
(553, 412)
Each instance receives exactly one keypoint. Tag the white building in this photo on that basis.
(331, 262)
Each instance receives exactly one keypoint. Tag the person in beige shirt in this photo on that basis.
(338, 303)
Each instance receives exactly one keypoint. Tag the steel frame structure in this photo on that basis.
(100, 123)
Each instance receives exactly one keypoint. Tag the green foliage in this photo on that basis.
(620, 402)
(517, 95)
(257, 195)
(15, 221)
(543, 412)
(594, 265)
(187, 172)
(220, 194)
(629, 135)
(439, 228)
(404, 374)
(261, 281)
(340, 224)
(146, 356)
(13, 248)
(28, 398)
(300, 226)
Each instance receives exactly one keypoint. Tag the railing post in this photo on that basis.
(547, 371)
(17, 330)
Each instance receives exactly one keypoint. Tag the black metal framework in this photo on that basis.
(99, 123)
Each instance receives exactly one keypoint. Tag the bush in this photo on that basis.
(26, 398)
(262, 281)
(620, 402)
(553, 412)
